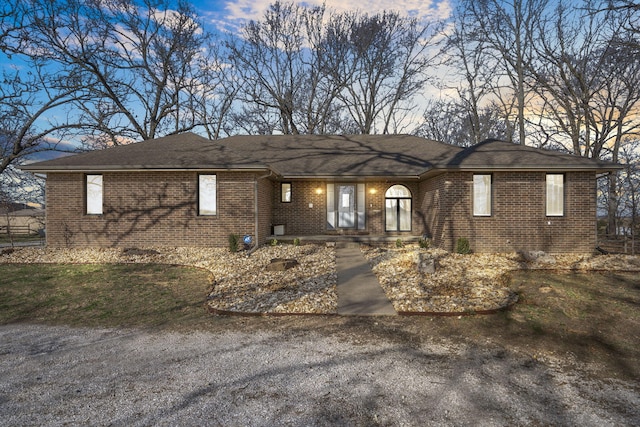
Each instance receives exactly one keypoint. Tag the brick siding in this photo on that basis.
(518, 221)
(160, 209)
(148, 209)
(306, 214)
(265, 209)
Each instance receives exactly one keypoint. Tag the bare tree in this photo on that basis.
(292, 65)
(628, 12)
(588, 84)
(506, 28)
(269, 56)
(627, 199)
(29, 103)
(34, 100)
(629, 184)
(327, 72)
(214, 93)
(391, 57)
(452, 122)
(138, 63)
(468, 62)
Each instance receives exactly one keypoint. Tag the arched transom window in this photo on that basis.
(398, 208)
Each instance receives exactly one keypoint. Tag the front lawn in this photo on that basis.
(582, 318)
(109, 295)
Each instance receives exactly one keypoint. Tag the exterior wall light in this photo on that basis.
(318, 190)
(373, 191)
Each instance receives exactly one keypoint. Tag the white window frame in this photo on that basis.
(555, 194)
(207, 194)
(286, 191)
(94, 189)
(482, 194)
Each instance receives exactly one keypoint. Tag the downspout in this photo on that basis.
(257, 216)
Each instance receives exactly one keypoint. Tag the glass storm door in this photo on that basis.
(346, 206)
(398, 209)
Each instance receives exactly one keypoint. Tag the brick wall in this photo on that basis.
(265, 210)
(160, 209)
(518, 221)
(302, 220)
(148, 209)
(306, 214)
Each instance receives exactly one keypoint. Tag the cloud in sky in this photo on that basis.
(234, 11)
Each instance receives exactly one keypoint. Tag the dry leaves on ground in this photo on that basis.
(241, 283)
(469, 283)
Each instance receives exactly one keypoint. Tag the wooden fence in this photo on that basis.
(618, 244)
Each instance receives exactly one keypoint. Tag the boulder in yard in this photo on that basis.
(425, 263)
(281, 264)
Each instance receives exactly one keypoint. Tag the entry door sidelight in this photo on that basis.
(346, 206)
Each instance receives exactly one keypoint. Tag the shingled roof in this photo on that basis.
(313, 156)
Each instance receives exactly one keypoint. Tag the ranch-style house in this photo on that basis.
(186, 190)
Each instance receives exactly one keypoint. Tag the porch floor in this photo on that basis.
(345, 239)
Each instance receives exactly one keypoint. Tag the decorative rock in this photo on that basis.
(539, 256)
(139, 252)
(281, 264)
(7, 251)
(425, 263)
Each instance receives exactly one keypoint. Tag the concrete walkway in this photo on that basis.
(359, 292)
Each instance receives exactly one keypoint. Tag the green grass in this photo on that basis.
(118, 295)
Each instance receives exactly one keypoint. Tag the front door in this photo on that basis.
(346, 206)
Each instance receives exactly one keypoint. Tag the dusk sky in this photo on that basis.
(224, 13)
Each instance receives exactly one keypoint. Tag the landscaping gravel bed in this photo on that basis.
(241, 283)
(470, 283)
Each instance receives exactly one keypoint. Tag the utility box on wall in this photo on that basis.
(278, 230)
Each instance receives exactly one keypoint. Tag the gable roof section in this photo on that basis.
(174, 152)
(496, 155)
(317, 156)
(308, 156)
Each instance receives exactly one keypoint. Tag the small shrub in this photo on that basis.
(463, 246)
(296, 242)
(273, 242)
(234, 241)
(399, 243)
(424, 243)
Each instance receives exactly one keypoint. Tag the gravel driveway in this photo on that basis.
(283, 374)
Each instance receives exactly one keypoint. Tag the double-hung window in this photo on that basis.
(555, 194)
(207, 195)
(94, 192)
(482, 195)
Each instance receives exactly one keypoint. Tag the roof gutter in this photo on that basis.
(138, 169)
(353, 177)
(601, 169)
